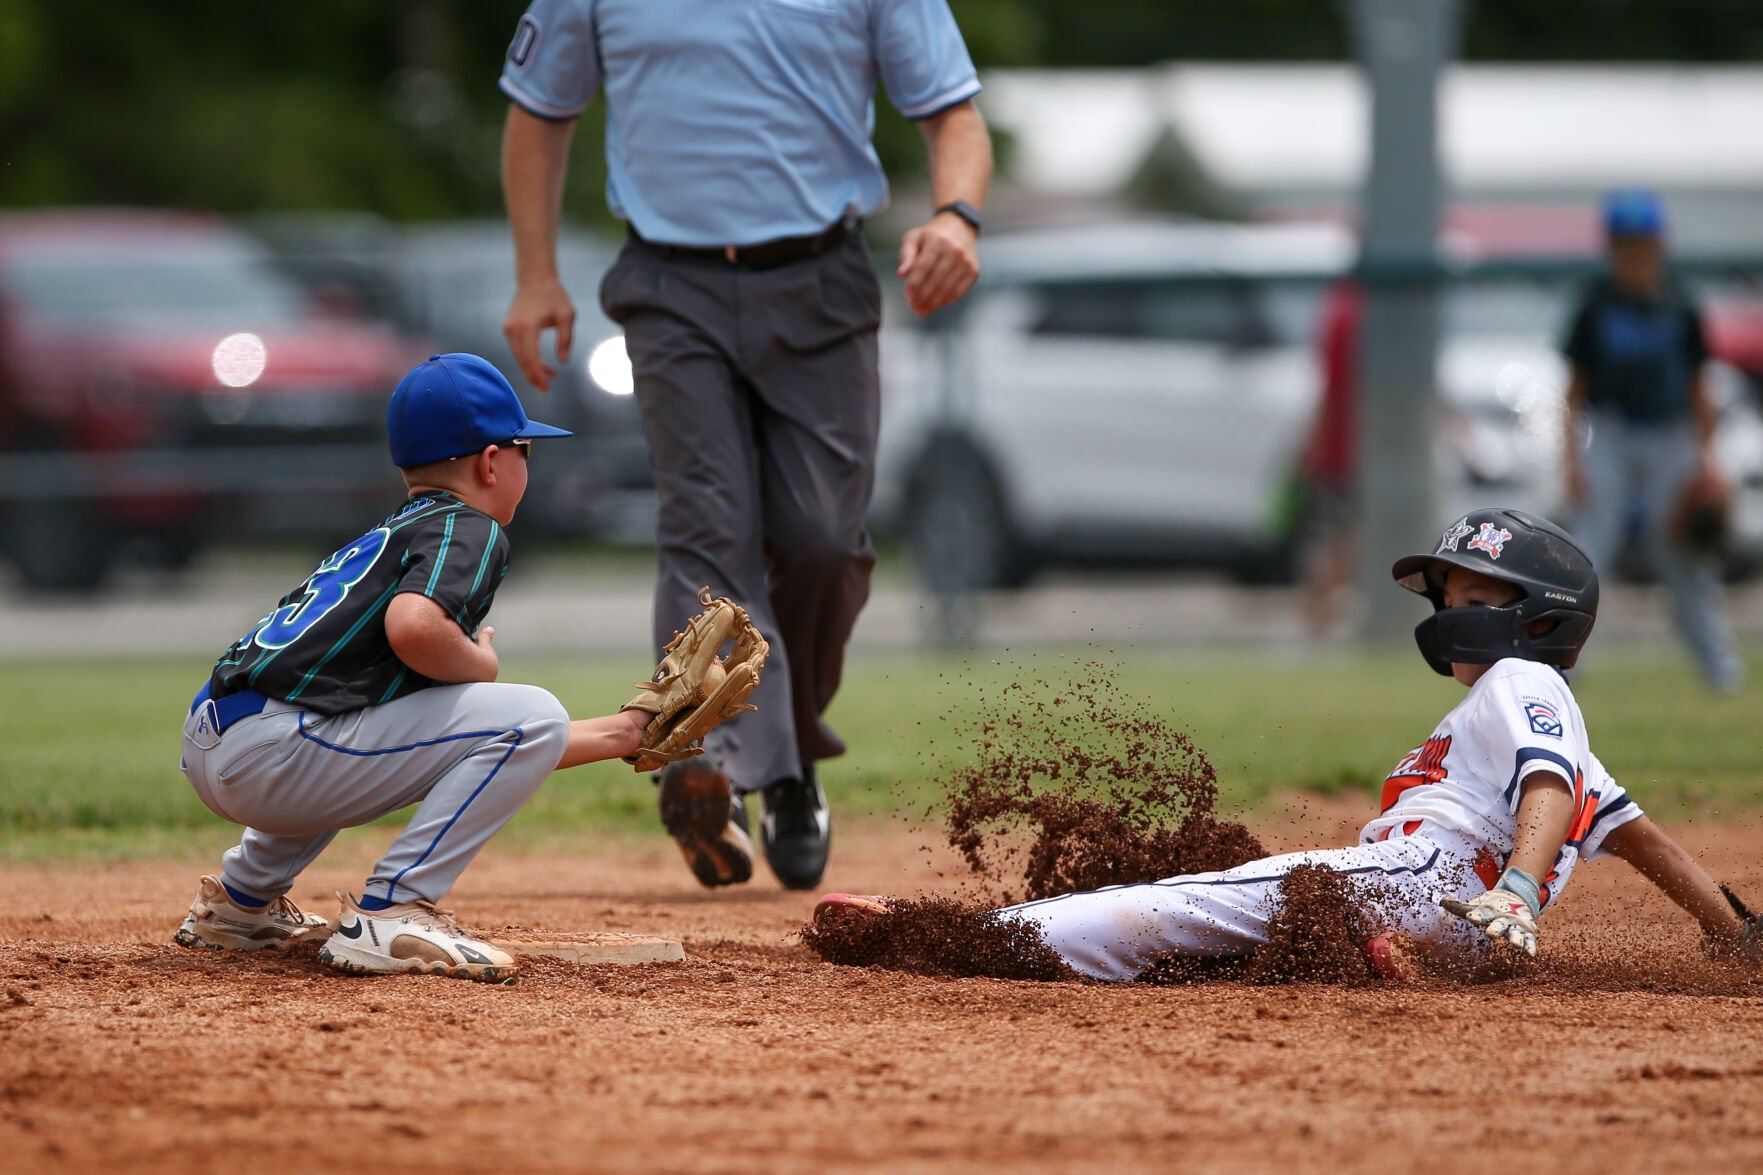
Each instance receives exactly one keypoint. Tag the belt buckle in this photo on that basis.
(728, 254)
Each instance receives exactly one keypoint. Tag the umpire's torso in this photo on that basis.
(324, 645)
(744, 120)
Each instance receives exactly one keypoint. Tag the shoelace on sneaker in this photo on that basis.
(435, 918)
(284, 908)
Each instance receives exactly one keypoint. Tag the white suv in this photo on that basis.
(1136, 393)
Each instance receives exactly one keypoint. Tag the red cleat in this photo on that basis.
(835, 906)
(1392, 955)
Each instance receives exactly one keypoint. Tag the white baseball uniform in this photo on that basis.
(1448, 821)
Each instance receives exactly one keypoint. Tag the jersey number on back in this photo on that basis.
(328, 586)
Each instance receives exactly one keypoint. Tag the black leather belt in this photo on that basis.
(764, 255)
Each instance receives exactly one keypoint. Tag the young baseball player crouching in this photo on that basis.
(1481, 825)
(372, 686)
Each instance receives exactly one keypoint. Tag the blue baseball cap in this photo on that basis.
(454, 405)
(1633, 212)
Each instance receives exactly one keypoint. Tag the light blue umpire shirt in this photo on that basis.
(731, 122)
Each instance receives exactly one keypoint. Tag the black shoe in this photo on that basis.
(796, 830)
(707, 820)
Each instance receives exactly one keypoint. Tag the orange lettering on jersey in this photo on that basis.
(1585, 810)
(1423, 765)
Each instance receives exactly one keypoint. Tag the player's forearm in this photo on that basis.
(1678, 875)
(535, 163)
(1544, 815)
(1574, 419)
(960, 152)
(611, 737)
(1707, 417)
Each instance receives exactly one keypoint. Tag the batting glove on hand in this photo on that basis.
(1505, 913)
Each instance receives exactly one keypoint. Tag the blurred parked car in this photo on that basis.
(450, 283)
(163, 385)
(1129, 394)
(1140, 393)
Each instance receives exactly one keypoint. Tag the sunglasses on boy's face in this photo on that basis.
(524, 445)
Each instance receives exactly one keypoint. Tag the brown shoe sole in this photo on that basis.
(695, 804)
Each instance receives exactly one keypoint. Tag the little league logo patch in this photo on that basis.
(1449, 540)
(1490, 539)
(1543, 719)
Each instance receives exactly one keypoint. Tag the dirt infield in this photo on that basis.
(118, 1052)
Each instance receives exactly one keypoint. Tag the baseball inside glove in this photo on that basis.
(1702, 519)
(695, 688)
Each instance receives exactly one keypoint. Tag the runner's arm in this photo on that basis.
(1668, 865)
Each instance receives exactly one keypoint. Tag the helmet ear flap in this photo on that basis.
(1566, 639)
(1426, 635)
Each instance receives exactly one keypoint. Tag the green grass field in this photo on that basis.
(88, 753)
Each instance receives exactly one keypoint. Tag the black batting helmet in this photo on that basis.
(1534, 555)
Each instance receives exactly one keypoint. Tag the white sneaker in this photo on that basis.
(412, 938)
(218, 923)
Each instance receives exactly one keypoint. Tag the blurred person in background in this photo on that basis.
(1640, 425)
(738, 146)
(1328, 520)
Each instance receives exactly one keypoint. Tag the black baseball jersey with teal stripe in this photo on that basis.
(324, 645)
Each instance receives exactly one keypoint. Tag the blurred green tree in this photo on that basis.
(390, 106)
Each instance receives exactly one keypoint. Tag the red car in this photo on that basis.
(164, 385)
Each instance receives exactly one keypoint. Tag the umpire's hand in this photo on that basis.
(940, 262)
(539, 306)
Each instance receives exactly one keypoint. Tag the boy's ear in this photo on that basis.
(483, 468)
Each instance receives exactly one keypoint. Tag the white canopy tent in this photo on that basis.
(1278, 136)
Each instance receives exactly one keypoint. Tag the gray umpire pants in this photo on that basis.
(1647, 466)
(761, 402)
(469, 755)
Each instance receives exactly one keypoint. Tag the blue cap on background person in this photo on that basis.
(454, 405)
(1633, 212)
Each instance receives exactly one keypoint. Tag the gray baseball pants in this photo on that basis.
(1649, 465)
(468, 755)
(761, 403)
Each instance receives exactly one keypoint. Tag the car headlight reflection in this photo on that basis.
(609, 366)
(239, 360)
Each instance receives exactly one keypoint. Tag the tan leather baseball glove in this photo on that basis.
(695, 688)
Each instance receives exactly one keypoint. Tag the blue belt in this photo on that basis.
(231, 708)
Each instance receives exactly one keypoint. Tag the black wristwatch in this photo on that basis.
(964, 210)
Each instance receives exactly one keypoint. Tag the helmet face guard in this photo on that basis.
(1470, 636)
(1482, 636)
(1550, 620)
